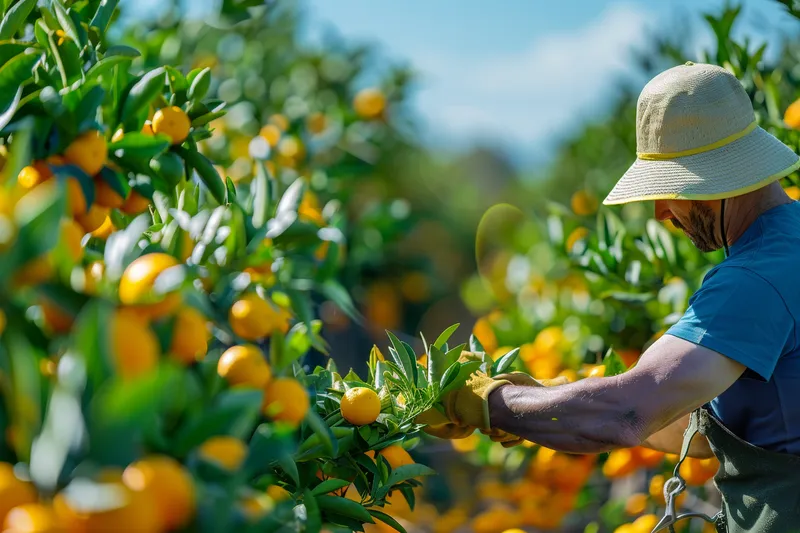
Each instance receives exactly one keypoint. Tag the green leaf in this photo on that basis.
(8, 113)
(106, 66)
(386, 519)
(504, 363)
(263, 186)
(313, 522)
(449, 375)
(288, 465)
(475, 345)
(613, 363)
(330, 485)
(65, 21)
(344, 507)
(325, 435)
(404, 473)
(102, 16)
(436, 364)
(13, 76)
(200, 85)
(87, 108)
(14, 18)
(464, 373)
(445, 335)
(206, 171)
(143, 92)
(9, 49)
(453, 354)
(266, 446)
(121, 50)
(402, 358)
(335, 292)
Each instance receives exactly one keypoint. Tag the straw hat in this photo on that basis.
(697, 139)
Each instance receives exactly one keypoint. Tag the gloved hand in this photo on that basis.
(508, 440)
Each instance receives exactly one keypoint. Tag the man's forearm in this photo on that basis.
(590, 416)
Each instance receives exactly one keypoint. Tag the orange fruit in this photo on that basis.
(697, 472)
(32, 518)
(396, 455)
(316, 123)
(656, 491)
(646, 523)
(291, 148)
(578, 234)
(278, 493)
(105, 229)
(137, 510)
(484, 332)
(13, 491)
(583, 203)
(172, 122)
(636, 504)
(272, 134)
(280, 121)
(189, 336)
(93, 219)
(227, 452)
(792, 115)
(106, 196)
(360, 406)
(286, 400)
(137, 282)
(134, 346)
(647, 458)
(619, 463)
(88, 151)
(71, 236)
(256, 506)
(135, 204)
(55, 318)
(76, 200)
(244, 365)
(251, 317)
(32, 175)
(147, 129)
(170, 485)
(369, 103)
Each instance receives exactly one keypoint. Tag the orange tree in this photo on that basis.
(157, 318)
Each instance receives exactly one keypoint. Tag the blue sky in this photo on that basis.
(520, 73)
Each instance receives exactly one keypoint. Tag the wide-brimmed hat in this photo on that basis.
(697, 139)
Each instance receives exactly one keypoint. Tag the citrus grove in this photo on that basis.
(185, 212)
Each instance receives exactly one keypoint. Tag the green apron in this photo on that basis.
(760, 489)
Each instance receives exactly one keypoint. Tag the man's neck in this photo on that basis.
(742, 211)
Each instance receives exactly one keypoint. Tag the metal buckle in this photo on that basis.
(672, 488)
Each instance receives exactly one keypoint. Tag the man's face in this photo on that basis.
(697, 219)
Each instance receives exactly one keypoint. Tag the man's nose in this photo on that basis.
(662, 211)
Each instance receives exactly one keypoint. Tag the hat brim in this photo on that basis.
(742, 166)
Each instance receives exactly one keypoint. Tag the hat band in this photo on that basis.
(699, 150)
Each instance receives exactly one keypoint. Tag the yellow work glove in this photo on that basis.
(508, 440)
(469, 405)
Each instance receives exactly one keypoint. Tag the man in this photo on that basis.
(729, 370)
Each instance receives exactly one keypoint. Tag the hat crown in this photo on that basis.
(688, 107)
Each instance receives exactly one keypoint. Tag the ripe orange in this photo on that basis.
(792, 115)
(105, 229)
(251, 317)
(646, 523)
(280, 121)
(137, 510)
(76, 200)
(170, 485)
(134, 346)
(396, 455)
(656, 491)
(88, 151)
(636, 504)
(647, 458)
(13, 491)
(360, 406)
(71, 235)
(244, 365)
(135, 204)
(93, 219)
(484, 332)
(272, 134)
(147, 129)
(138, 279)
(32, 518)
(173, 122)
(697, 472)
(369, 103)
(55, 318)
(257, 505)
(291, 149)
(286, 400)
(619, 463)
(189, 336)
(278, 493)
(227, 452)
(583, 203)
(32, 175)
(316, 123)
(106, 196)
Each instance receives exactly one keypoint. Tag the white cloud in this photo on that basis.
(526, 97)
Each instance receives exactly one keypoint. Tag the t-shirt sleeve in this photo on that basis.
(739, 314)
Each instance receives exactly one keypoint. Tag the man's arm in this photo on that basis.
(671, 379)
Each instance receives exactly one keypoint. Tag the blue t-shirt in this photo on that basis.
(747, 310)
